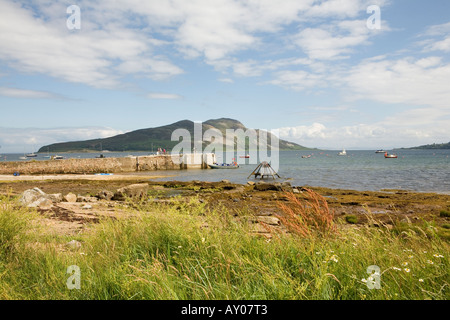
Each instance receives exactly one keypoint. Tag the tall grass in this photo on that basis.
(312, 215)
(185, 251)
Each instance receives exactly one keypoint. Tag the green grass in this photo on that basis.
(351, 219)
(444, 213)
(184, 251)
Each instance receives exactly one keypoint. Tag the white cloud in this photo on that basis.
(368, 136)
(333, 41)
(15, 140)
(407, 80)
(38, 41)
(27, 94)
(226, 80)
(161, 95)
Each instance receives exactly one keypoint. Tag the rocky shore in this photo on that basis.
(70, 204)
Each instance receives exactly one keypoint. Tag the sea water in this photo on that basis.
(416, 170)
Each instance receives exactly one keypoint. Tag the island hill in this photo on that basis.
(152, 138)
(432, 146)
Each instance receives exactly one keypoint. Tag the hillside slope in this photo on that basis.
(152, 138)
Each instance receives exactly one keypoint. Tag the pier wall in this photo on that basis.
(108, 165)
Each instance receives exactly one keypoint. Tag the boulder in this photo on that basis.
(138, 190)
(31, 195)
(56, 197)
(105, 195)
(269, 220)
(251, 183)
(71, 197)
(265, 186)
(86, 199)
(36, 198)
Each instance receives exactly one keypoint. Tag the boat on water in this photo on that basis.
(31, 155)
(56, 157)
(386, 155)
(305, 157)
(224, 166)
(342, 153)
(381, 151)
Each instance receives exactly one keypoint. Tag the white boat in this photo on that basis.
(224, 166)
(32, 155)
(56, 157)
(342, 153)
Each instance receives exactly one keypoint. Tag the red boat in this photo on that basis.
(246, 156)
(386, 155)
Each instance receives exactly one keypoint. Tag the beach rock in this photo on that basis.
(42, 203)
(286, 186)
(31, 195)
(251, 183)
(56, 197)
(86, 206)
(71, 197)
(138, 190)
(265, 186)
(295, 190)
(86, 199)
(105, 195)
(225, 181)
(269, 220)
(36, 198)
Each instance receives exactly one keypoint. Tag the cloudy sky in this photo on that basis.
(326, 73)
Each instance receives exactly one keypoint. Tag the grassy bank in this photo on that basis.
(192, 251)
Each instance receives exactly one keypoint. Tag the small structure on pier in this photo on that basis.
(264, 170)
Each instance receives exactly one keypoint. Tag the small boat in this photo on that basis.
(100, 156)
(56, 157)
(342, 153)
(380, 151)
(31, 155)
(246, 156)
(386, 155)
(23, 158)
(233, 165)
(308, 156)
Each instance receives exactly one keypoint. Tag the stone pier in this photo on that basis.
(110, 165)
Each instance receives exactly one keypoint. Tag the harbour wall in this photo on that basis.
(110, 165)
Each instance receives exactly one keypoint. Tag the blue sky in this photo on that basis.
(310, 68)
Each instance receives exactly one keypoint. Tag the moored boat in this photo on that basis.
(224, 166)
(386, 155)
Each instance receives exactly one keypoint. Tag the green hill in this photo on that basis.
(433, 146)
(152, 138)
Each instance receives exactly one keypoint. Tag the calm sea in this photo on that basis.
(417, 170)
